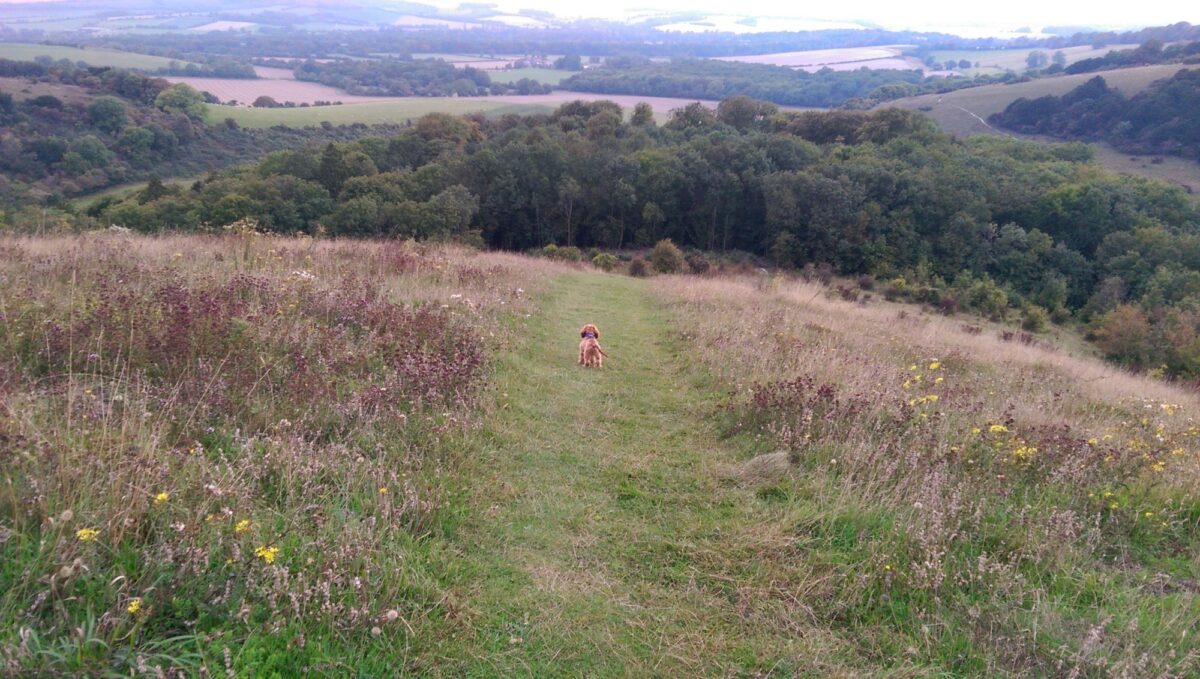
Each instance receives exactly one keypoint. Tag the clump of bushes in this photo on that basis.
(604, 261)
(566, 254)
(638, 268)
(698, 263)
(666, 257)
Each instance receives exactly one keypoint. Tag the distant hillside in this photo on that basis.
(1162, 119)
(965, 113)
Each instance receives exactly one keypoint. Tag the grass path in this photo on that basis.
(603, 541)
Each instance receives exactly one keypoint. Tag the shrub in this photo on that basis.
(821, 273)
(638, 268)
(698, 263)
(569, 254)
(604, 261)
(1034, 318)
(666, 257)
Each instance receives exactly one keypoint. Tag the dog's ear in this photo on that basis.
(583, 331)
(596, 331)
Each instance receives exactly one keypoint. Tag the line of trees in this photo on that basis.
(713, 79)
(417, 77)
(989, 224)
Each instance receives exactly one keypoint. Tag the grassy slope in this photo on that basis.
(370, 113)
(960, 111)
(604, 544)
(93, 56)
(964, 112)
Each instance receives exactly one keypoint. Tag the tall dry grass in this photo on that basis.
(960, 502)
(216, 450)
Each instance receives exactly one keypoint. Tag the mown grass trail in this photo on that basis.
(603, 542)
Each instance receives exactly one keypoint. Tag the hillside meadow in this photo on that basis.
(965, 112)
(92, 56)
(246, 453)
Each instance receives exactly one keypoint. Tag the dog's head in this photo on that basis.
(583, 332)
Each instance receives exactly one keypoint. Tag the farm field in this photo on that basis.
(93, 56)
(999, 61)
(841, 59)
(375, 111)
(283, 87)
(371, 110)
(800, 485)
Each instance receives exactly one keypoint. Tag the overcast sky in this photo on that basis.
(909, 13)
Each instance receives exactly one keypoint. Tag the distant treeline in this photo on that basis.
(1162, 119)
(592, 38)
(1149, 52)
(419, 77)
(712, 79)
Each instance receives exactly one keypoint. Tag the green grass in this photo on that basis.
(601, 542)
(123, 190)
(551, 76)
(93, 56)
(368, 113)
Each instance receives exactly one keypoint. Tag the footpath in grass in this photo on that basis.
(602, 541)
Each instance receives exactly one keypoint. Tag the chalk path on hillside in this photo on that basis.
(604, 542)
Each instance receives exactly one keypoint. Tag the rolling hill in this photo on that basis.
(965, 113)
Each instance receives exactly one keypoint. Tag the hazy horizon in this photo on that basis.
(937, 15)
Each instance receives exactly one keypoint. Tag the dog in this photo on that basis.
(590, 353)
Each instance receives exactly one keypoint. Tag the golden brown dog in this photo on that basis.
(590, 353)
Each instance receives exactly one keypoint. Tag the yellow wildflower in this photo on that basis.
(1148, 514)
(1177, 451)
(87, 534)
(1114, 505)
(242, 526)
(383, 490)
(939, 380)
(135, 606)
(1158, 467)
(1170, 408)
(976, 430)
(912, 368)
(934, 365)
(932, 398)
(267, 554)
(162, 497)
(1092, 442)
(997, 428)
